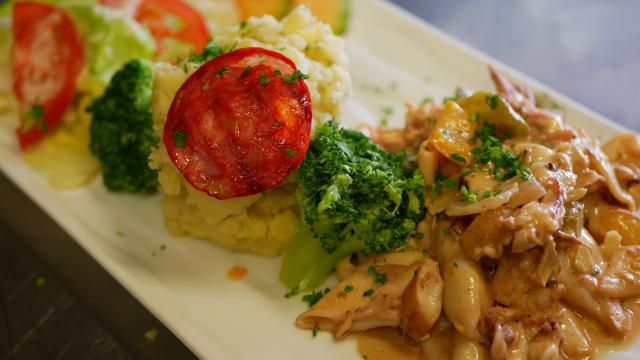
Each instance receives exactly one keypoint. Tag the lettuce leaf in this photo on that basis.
(111, 40)
(7, 6)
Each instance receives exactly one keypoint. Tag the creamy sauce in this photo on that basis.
(439, 346)
(237, 273)
(604, 342)
(386, 344)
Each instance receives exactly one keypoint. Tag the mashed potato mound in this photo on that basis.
(263, 223)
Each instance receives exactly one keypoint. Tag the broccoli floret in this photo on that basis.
(122, 133)
(352, 190)
(354, 196)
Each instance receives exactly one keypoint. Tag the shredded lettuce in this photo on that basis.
(111, 40)
(7, 6)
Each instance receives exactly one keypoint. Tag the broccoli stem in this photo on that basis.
(305, 264)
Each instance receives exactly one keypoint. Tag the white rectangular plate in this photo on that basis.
(185, 286)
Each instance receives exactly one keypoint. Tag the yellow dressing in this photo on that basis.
(64, 157)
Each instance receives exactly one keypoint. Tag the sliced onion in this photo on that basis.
(602, 165)
(458, 207)
(528, 191)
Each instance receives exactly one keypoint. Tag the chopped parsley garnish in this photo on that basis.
(458, 158)
(455, 264)
(441, 183)
(179, 138)
(377, 277)
(448, 98)
(386, 112)
(468, 195)
(314, 331)
(205, 87)
(151, 334)
(506, 164)
(488, 194)
(292, 292)
(243, 24)
(468, 170)
(43, 125)
(426, 100)
(35, 115)
(35, 112)
(348, 288)
(493, 101)
(221, 71)
(40, 281)
(291, 153)
(277, 72)
(264, 80)
(446, 231)
(314, 297)
(162, 248)
(210, 51)
(245, 71)
(368, 292)
(291, 79)
(474, 118)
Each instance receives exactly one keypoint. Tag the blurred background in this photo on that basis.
(586, 49)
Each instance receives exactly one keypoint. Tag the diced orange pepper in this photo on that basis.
(452, 134)
(498, 113)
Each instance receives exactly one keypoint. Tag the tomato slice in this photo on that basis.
(240, 124)
(173, 19)
(47, 57)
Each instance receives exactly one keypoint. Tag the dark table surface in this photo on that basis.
(58, 303)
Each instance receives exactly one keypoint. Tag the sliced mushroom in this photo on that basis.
(422, 301)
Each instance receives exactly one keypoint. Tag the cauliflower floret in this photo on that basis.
(263, 223)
